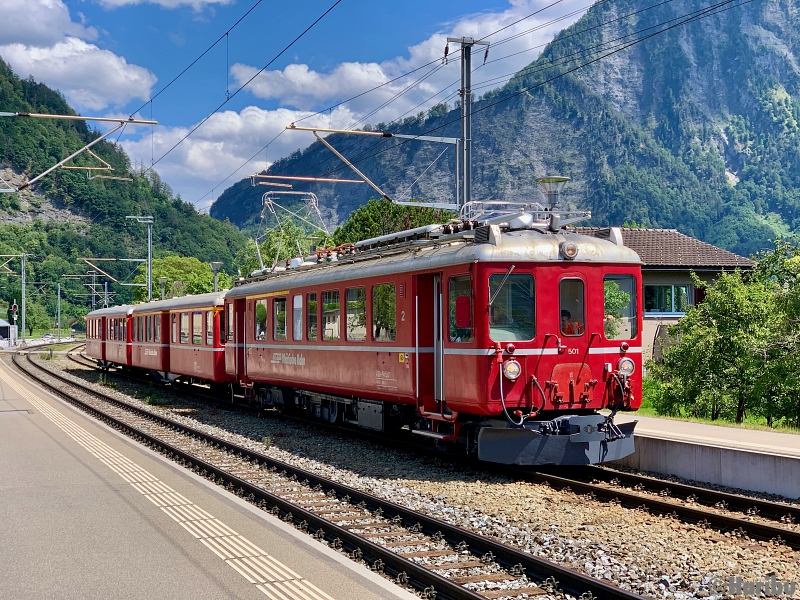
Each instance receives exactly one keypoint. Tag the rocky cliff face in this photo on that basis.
(695, 129)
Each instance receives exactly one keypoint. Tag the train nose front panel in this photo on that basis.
(570, 384)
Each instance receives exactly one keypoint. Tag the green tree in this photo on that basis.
(191, 275)
(381, 217)
(36, 317)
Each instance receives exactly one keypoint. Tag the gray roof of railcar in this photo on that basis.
(515, 246)
(188, 302)
(122, 309)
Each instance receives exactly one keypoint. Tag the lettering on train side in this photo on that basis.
(288, 358)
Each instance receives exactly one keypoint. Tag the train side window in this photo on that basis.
(197, 328)
(261, 319)
(512, 314)
(619, 307)
(149, 328)
(209, 328)
(156, 328)
(311, 318)
(356, 314)
(460, 301)
(185, 328)
(330, 315)
(229, 322)
(572, 307)
(297, 318)
(112, 330)
(174, 328)
(141, 328)
(384, 313)
(280, 319)
(124, 328)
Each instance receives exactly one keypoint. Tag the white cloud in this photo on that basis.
(88, 76)
(39, 23)
(229, 139)
(195, 4)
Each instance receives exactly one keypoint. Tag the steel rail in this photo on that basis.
(426, 581)
(704, 515)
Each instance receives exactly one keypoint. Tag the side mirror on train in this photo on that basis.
(463, 312)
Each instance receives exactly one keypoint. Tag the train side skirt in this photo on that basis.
(527, 446)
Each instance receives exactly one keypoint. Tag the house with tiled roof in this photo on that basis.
(668, 259)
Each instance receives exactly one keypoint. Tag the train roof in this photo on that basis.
(190, 301)
(524, 245)
(111, 311)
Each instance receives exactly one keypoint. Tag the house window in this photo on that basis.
(384, 313)
(670, 299)
(356, 314)
(280, 320)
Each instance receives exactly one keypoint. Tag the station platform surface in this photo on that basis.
(749, 459)
(87, 513)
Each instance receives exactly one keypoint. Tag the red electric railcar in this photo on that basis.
(507, 340)
(108, 335)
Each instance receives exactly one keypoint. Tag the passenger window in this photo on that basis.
(311, 318)
(185, 328)
(209, 328)
(280, 319)
(511, 308)
(460, 309)
(619, 307)
(384, 313)
(149, 328)
(261, 319)
(229, 323)
(156, 328)
(330, 315)
(356, 314)
(297, 318)
(572, 307)
(141, 328)
(197, 328)
(174, 328)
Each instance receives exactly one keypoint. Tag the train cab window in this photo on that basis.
(619, 307)
(460, 302)
(512, 306)
(280, 320)
(156, 328)
(297, 318)
(197, 328)
(356, 314)
(174, 328)
(384, 313)
(229, 323)
(210, 328)
(185, 328)
(311, 318)
(571, 307)
(261, 319)
(149, 328)
(330, 315)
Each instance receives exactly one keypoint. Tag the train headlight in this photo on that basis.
(626, 366)
(512, 369)
(568, 250)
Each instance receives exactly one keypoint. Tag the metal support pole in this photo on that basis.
(149, 260)
(58, 311)
(105, 299)
(466, 119)
(94, 300)
(22, 301)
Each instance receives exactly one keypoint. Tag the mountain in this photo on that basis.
(694, 129)
(66, 216)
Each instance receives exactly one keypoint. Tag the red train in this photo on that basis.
(508, 341)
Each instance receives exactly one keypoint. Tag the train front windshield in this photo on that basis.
(512, 307)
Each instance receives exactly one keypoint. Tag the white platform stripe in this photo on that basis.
(270, 576)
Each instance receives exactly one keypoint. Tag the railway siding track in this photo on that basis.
(691, 504)
(436, 558)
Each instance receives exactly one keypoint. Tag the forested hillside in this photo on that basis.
(67, 216)
(695, 129)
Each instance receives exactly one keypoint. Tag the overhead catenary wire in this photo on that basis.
(694, 16)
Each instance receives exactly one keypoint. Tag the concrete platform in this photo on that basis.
(749, 459)
(87, 513)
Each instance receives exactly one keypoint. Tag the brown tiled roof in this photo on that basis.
(669, 248)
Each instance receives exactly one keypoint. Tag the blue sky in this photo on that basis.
(109, 57)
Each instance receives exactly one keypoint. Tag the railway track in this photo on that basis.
(435, 558)
(722, 511)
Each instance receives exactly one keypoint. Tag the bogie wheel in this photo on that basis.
(334, 412)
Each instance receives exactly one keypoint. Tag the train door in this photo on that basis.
(240, 337)
(430, 343)
(571, 380)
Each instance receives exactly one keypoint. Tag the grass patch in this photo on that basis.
(45, 356)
